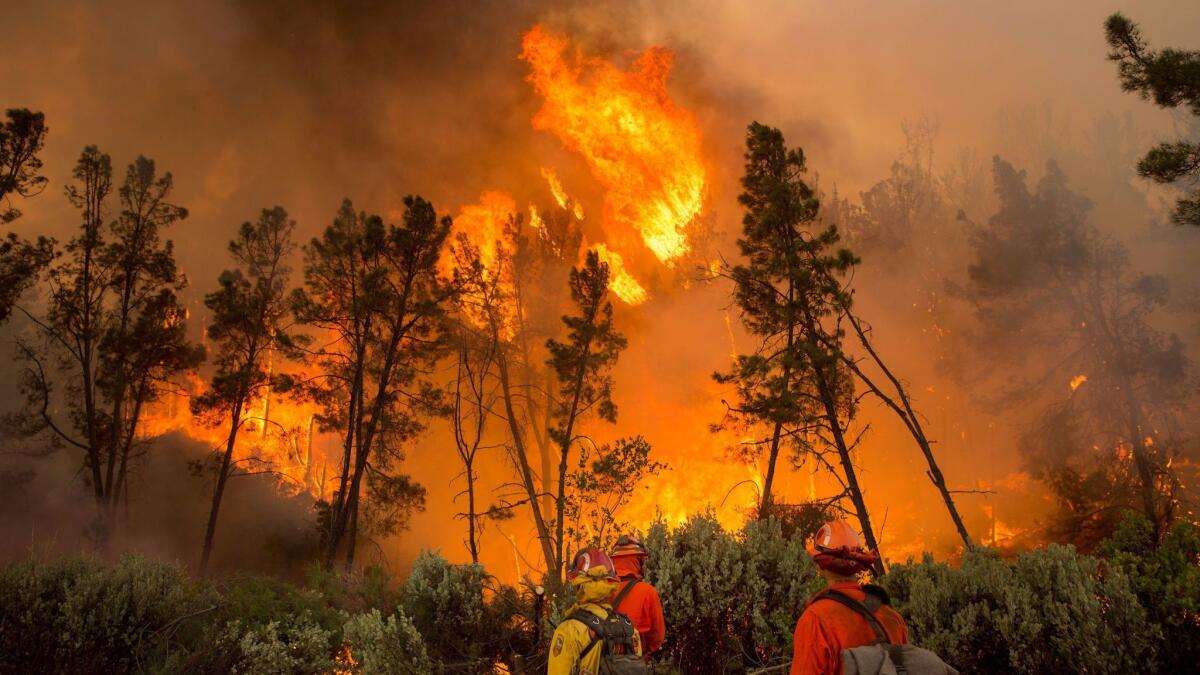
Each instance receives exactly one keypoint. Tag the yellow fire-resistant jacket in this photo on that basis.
(572, 637)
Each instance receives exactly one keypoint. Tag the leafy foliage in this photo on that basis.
(604, 480)
(1166, 579)
(730, 600)
(21, 139)
(390, 646)
(1171, 77)
(1051, 611)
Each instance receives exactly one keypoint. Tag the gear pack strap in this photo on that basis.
(593, 624)
(616, 603)
(847, 601)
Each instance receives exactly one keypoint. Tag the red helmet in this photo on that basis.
(837, 548)
(592, 563)
(629, 545)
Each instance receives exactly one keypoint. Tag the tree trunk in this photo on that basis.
(565, 441)
(472, 546)
(766, 505)
(906, 413)
(827, 393)
(353, 427)
(352, 535)
(523, 463)
(235, 423)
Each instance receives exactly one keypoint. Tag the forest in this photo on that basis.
(539, 285)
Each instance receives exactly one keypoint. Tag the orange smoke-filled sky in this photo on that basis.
(252, 103)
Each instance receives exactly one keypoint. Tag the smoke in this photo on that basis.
(252, 103)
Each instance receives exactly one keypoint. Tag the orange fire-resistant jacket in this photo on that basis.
(826, 628)
(641, 605)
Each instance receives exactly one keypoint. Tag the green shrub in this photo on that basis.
(386, 647)
(292, 645)
(82, 616)
(1167, 581)
(730, 601)
(445, 603)
(372, 588)
(1050, 611)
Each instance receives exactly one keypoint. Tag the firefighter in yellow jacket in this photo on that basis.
(574, 648)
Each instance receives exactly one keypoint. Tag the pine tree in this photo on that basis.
(581, 366)
(789, 295)
(1171, 77)
(113, 337)
(21, 139)
(248, 310)
(373, 293)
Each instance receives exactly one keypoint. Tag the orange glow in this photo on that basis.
(1077, 380)
(484, 224)
(278, 436)
(641, 147)
(620, 281)
(560, 195)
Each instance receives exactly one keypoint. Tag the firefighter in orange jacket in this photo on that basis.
(827, 627)
(572, 651)
(635, 598)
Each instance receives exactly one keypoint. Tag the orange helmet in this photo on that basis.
(629, 545)
(837, 548)
(592, 563)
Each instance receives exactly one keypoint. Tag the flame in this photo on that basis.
(484, 224)
(345, 663)
(560, 195)
(277, 436)
(620, 281)
(1077, 380)
(641, 147)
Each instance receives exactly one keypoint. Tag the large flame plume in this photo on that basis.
(642, 148)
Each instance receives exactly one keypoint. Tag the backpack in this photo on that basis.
(882, 657)
(614, 636)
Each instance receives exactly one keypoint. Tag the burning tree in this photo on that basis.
(247, 314)
(1062, 320)
(474, 387)
(372, 295)
(507, 306)
(795, 383)
(112, 338)
(581, 365)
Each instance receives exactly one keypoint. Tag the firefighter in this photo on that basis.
(572, 651)
(637, 599)
(826, 627)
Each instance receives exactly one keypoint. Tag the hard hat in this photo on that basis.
(837, 548)
(592, 563)
(629, 545)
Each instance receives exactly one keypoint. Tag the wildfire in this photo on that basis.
(642, 148)
(620, 281)
(277, 436)
(484, 225)
(560, 195)
(1077, 380)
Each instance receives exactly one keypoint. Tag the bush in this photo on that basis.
(1166, 579)
(82, 616)
(292, 645)
(730, 601)
(385, 647)
(1051, 611)
(447, 606)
